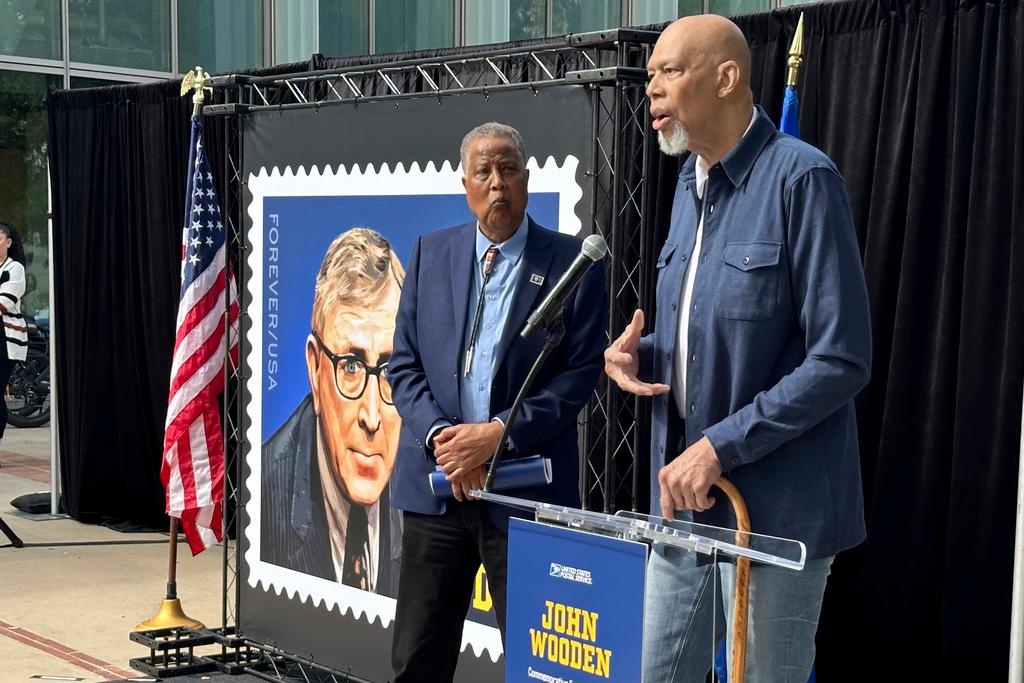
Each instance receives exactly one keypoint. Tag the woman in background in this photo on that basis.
(12, 288)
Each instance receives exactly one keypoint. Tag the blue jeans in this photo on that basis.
(685, 605)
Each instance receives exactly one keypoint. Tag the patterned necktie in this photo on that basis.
(492, 252)
(354, 573)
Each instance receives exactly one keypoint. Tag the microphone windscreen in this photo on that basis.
(594, 247)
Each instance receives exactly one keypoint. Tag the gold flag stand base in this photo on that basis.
(170, 615)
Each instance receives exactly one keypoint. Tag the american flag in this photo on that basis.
(193, 460)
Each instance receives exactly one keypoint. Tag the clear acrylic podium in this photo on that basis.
(710, 543)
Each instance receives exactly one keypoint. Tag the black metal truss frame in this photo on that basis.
(582, 57)
(614, 440)
(233, 417)
(613, 426)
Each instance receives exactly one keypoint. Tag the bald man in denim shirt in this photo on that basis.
(761, 343)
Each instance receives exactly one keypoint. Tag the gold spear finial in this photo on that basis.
(195, 81)
(796, 52)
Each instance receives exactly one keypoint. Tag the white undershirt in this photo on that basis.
(682, 350)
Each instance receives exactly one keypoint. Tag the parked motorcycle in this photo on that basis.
(28, 390)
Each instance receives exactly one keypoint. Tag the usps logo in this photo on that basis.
(571, 573)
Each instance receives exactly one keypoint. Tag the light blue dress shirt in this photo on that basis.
(498, 294)
(475, 387)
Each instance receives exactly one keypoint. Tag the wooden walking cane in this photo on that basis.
(742, 594)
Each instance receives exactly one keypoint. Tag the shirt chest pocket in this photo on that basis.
(750, 280)
(662, 264)
(664, 261)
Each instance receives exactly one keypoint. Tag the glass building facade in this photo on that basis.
(49, 44)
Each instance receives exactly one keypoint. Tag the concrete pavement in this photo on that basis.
(70, 597)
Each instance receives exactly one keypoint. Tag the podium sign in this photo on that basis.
(575, 605)
(576, 587)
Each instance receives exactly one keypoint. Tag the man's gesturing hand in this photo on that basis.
(686, 480)
(622, 364)
(463, 447)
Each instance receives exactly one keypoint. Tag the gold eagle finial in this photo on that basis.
(196, 82)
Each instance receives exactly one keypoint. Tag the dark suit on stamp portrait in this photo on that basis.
(295, 532)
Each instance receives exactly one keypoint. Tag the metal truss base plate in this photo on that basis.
(283, 667)
(176, 638)
(238, 662)
(172, 664)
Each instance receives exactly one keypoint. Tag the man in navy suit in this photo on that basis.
(457, 364)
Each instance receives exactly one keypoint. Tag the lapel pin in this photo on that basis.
(536, 279)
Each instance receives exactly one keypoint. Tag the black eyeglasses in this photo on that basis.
(351, 374)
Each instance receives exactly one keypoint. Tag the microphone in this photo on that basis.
(594, 248)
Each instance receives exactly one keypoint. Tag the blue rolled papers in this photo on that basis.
(512, 474)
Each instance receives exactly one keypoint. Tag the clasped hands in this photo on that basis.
(461, 450)
(687, 478)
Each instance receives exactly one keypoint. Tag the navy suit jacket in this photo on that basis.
(423, 369)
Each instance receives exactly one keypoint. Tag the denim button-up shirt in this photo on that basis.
(778, 341)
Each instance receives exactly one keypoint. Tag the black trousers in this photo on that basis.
(440, 557)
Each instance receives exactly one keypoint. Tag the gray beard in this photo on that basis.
(675, 141)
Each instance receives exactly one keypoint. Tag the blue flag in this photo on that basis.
(790, 123)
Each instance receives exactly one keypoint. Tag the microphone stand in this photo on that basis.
(11, 536)
(556, 330)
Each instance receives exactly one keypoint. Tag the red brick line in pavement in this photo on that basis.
(24, 466)
(63, 652)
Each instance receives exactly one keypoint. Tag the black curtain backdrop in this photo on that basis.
(117, 171)
(917, 101)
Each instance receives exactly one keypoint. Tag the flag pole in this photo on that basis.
(170, 614)
(796, 53)
(790, 121)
